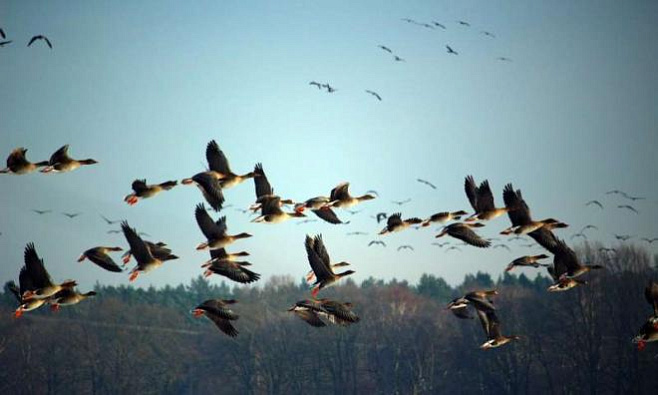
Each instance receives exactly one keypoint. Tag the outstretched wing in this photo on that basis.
(216, 159)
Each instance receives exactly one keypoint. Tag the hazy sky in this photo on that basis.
(144, 86)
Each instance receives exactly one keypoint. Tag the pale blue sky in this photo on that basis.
(144, 86)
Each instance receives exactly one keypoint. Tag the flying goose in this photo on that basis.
(318, 258)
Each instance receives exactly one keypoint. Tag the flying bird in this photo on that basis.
(113, 231)
(318, 258)
(634, 198)
(527, 261)
(580, 234)
(316, 84)
(219, 312)
(215, 232)
(2, 34)
(374, 94)
(99, 256)
(400, 202)
(482, 201)
(41, 212)
(429, 184)
(71, 215)
(405, 247)
(444, 217)
(650, 241)
(628, 207)
(40, 37)
(377, 242)
(385, 48)
(3, 43)
(504, 59)
(464, 232)
(358, 233)
(486, 33)
(110, 221)
(588, 227)
(453, 248)
(396, 224)
(18, 164)
(451, 51)
(464, 23)
(438, 25)
(623, 237)
(398, 59)
(372, 192)
(340, 197)
(306, 221)
(440, 245)
(142, 190)
(617, 192)
(594, 203)
(353, 212)
(146, 258)
(61, 162)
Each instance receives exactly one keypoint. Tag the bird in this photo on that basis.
(264, 190)
(400, 202)
(228, 266)
(311, 311)
(491, 326)
(451, 51)
(42, 212)
(330, 89)
(319, 206)
(380, 217)
(385, 48)
(566, 267)
(159, 251)
(616, 192)
(341, 198)
(377, 242)
(372, 192)
(489, 34)
(588, 227)
(398, 59)
(650, 241)
(464, 232)
(110, 221)
(99, 256)
(141, 190)
(7, 42)
(594, 203)
(61, 162)
(210, 188)
(42, 285)
(375, 94)
(219, 312)
(453, 248)
(71, 215)
(429, 184)
(18, 164)
(356, 234)
(316, 84)
(438, 25)
(353, 212)
(476, 299)
(440, 245)
(405, 247)
(444, 217)
(2, 34)
(145, 257)
(68, 297)
(482, 201)
(648, 333)
(215, 232)
(40, 37)
(628, 207)
(396, 224)
(519, 214)
(527, 261)
(504, 59)
(307, 221)
(464, 23)
(318, 258)
(114, 231)
(623, 237)
(502, 246)
(218, 162)
(634, 198)
(271, 212)
(580, 234)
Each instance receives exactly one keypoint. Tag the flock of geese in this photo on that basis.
(36, 288)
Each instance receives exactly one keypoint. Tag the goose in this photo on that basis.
(482, 201)
(491, 326)
(519, 210)
(318, 258)
(443, 217)
(215, 232)
(99, 256)
(340, 197)
(141, 190)
(464, 232)
(18, 164)
(220, 313)
(395, 223)
(40, 285)
(68, 297)
(146, 259)
(527, 261)
(61, 162)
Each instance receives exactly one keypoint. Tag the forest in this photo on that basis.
(128, 340)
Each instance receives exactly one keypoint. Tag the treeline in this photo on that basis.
(129, 340)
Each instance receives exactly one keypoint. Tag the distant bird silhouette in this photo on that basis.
(451, 51)
(2, 34)
(409, 20)
(486, 33)
(628, 207)
(594, 203)
(634, 198)
(438, 25)
(453, 248)
(580, 234)
(440, 245)
(113, 231)
(398, 59)
(587, 227)
(42, 212)
(372, 192)
(379, 242)
(427, 25)
(353, 212)
(405, 247)
(356, 233)
(385, 48)
(502, 246)
(616, 192)
(306, 221)
(504, 59)
(528, 245)
(3, 43)
(110, 221)
(380, 217)
(316, 84)
(464, 23)
(71, 215)
(400, 202)
(650, 241)
(40, 37)
(374, 94)
(330, 89)
(429, 184)
(623, 237)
